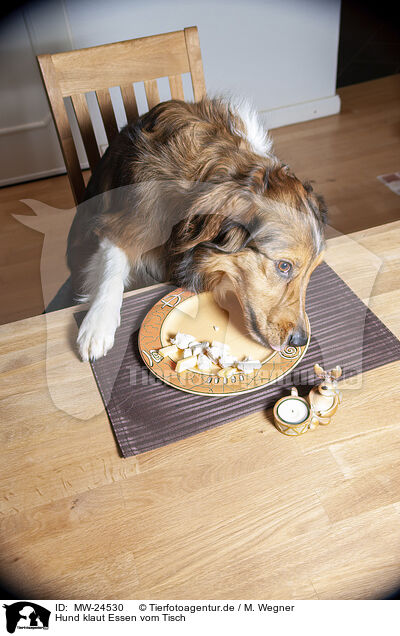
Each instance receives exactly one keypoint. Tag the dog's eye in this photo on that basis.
(284, 267)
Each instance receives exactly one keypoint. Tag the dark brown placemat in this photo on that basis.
(145, 413)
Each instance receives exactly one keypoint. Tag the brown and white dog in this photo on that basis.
(192, 193)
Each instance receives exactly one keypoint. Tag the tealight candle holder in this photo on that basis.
(325, 397)
(292, 414)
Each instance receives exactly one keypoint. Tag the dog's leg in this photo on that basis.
(106, 277)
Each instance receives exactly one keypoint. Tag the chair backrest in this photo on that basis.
(96, 69)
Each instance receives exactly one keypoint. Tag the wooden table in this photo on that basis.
(238, 512)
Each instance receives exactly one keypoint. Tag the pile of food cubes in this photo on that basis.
(203, 355)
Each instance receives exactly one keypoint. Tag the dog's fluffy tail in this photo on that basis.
(255, 132)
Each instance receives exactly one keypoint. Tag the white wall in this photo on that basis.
(280, 53)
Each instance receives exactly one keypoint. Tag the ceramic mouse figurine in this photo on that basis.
(325, 398)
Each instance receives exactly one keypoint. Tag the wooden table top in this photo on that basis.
(237, 512)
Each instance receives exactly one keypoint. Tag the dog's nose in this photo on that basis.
(298, 338)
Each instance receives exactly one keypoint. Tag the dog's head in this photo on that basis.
(264, 241)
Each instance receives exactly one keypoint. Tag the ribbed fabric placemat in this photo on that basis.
(145, 413)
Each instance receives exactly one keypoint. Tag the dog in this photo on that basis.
(193, 193)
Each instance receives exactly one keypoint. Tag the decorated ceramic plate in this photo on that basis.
(200, 316)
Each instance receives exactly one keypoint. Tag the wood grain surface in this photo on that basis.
(240, 511)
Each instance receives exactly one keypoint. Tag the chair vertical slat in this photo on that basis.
(176, 87)
(129, 100)
(195, 62)
(73, 74)
(63, 127)
(152, 94)
(107, 113)
(85, 126)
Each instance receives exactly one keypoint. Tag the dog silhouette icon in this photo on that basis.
(25, 614)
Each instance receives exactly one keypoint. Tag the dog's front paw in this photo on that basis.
(96, 334)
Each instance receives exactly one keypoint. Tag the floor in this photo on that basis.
(342, 154)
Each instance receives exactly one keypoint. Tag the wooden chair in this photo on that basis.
(74, 73)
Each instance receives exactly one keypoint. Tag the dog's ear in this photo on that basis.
(258, 180)
(274, 179)
(322, 208)
(197, 229)
(216, 232)
(232, 237)
(317, 202)
(255, 180)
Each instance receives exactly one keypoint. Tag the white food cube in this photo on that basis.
(203, 362)
(187, 353)
(215, 352)
(198, 347)
(248, 366)
(183, 340)
(226, 360)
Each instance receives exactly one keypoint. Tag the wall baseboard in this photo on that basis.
(33, 176)
(296, 113)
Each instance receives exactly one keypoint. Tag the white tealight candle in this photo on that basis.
(293, 411)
